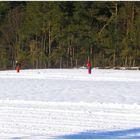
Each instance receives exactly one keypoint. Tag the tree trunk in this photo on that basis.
(126, 61)
(134, 63)
(114, 59)
(44, 44)
(76, 63)
(49, 41)
(61, 62)
(116, 14)
(71, 62)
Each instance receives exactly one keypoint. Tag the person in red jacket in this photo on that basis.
(18, 66)
(89, 67)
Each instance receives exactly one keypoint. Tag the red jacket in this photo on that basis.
(88, 65)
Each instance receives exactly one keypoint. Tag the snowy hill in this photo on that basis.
(69, 103)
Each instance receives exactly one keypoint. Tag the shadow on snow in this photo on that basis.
(118, 134)
(122, 134)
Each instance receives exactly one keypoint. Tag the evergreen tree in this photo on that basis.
(47, 34)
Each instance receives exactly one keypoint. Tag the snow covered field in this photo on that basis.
(69, 103)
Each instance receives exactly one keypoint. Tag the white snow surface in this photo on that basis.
(70, 104)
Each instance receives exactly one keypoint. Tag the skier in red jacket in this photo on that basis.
(89, 67)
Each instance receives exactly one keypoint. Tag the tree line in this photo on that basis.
(65, 34)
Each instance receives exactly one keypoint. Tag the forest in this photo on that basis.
(66, 34)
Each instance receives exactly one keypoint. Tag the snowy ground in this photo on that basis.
(55, 103)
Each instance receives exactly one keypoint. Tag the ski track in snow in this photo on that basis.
(55, 108)
(31, 120)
